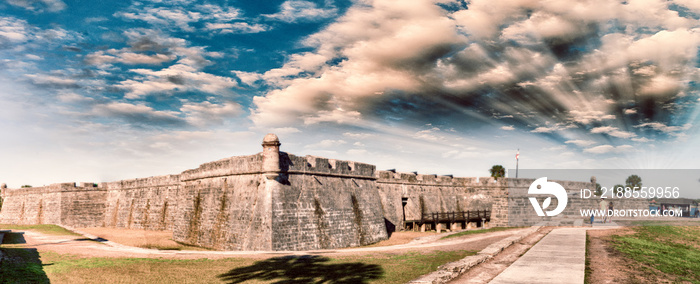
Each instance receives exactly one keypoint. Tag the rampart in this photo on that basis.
(267, 201)
(275, 201)
(408, 196)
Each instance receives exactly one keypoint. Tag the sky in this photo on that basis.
(107, 90)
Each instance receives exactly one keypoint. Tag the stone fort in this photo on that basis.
(275, 201)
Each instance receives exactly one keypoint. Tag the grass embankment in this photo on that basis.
(44, 229)
(673, 251)
(472, 232)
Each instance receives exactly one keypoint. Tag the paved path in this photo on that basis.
(560, 257)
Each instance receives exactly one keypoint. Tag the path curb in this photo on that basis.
(452, 270)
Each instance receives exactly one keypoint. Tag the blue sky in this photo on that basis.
(101, 91)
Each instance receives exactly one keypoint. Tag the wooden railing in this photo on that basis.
(453, 217)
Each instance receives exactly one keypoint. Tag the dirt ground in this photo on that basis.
(400, 238)
(133, 237)
(400, 242)
(156, 239)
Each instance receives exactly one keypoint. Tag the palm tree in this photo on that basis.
(598, 189)
(618, 188)
(497, 171)
(634, 182)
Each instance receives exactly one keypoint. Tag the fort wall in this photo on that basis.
(50, 204)
(425, 194)
(145, 203)
(520, 212)
(225, 205)
(323, 203)
(278, 201)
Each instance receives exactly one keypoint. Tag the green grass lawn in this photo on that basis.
(22, 264)
(472, 232)
(672, 250)
(371, 268)
(44, 229)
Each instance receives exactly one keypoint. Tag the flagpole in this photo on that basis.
(517, 159)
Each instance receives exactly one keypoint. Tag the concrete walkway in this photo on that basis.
(560, 257)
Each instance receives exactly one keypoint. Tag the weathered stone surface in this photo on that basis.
(274, 201)
(429, 194)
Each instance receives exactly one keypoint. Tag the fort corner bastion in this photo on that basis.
(270, 201)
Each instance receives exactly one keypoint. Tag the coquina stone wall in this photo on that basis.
(278, 201)
(521, 213)
(321, 203)
(425, 194)
(145, 203)
(61, 203)
(225, 205)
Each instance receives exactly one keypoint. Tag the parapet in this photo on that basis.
(323, 166)
(441, 180)
(240, 165)
(154, 181)
(55, 187)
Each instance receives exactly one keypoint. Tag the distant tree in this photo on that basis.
(497, 171)
(26, 185)
(618, 188)
(634, 181)
(598, 190)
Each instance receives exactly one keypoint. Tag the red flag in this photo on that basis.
(517, 155)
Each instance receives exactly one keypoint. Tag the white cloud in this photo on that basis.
(630, 111)
(376, 43)
(663, 127)
(248, 78)
(587, 117)
(183, 16)
(508, 127)
(641, 140)
(207, 113)
(218, 13)
(176, 78)
(136, 113)
(236, 28)
(295, 10)
(39, 5)
(163, 16)
(613, 131)
(432, 134)
(357, 135)
(580, 143)
(567, 59)
(605, 149)
(14, 30)
(337, 116)
(545, 129)
(71, 97)
(52, 80)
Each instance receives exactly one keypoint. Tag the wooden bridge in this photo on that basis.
(454, 220)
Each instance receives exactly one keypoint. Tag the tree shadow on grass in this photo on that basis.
(304, 269)
(14, 238)
(21, 265)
